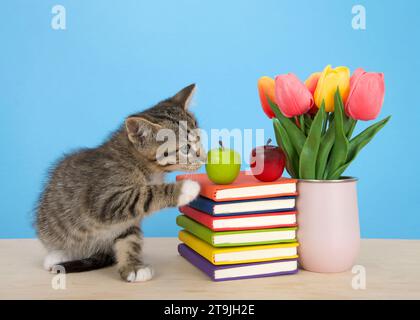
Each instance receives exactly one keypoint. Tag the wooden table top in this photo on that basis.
(392, 272)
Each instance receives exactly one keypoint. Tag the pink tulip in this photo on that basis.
(367, 90)
(292, 96)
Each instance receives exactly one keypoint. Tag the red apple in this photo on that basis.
(267, 162)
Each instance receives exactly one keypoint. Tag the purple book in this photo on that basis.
(238, 271)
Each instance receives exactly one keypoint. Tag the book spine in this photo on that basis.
(202, 218)
(196, 229)
(197, 245)
(196, 260)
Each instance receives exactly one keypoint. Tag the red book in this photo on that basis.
(245, 187)
(243, 222)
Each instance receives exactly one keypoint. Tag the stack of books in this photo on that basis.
(243, 230)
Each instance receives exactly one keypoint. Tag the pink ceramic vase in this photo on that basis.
(329, 232)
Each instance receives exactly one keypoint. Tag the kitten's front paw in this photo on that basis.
(189, 191)
(142, 274)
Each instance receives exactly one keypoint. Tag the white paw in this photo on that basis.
(189, 191)
(53, 258)
(141, 275)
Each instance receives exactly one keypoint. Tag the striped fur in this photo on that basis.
(95, 199)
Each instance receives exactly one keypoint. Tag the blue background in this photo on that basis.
(65, 89)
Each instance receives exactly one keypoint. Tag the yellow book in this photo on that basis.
(245, 254)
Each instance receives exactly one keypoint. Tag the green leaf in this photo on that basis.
(340, 148)
(326, 146)
(295, 134)
(350, 124)
(361, 140)
(307, 163)
(285, 144)
(358, 143)
(324, 151)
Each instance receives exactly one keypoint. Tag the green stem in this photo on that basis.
(302, 123)
(221, 145)
(352, 127)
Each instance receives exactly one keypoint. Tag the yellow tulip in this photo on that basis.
(328, 82)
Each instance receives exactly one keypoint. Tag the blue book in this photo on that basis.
(241, 207)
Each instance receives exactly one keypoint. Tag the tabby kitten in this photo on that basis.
(89, 213)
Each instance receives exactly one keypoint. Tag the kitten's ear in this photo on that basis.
(140, 130)
(184, 96)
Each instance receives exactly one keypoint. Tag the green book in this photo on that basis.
(237, 238)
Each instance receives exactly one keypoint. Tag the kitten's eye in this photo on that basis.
(165, 154)
(185, 149)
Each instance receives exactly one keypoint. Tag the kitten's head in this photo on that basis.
(168, 134)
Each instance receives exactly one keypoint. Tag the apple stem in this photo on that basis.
(221, 145)
(269, 141)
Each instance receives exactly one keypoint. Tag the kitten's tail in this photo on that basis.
(92, 263)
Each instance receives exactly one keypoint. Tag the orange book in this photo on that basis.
(245, 187)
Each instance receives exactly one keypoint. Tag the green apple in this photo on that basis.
(223, 165)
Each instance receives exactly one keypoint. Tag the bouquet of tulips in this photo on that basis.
(314, 121)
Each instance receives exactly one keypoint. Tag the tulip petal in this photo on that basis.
(366, 96)
(318, 93)
(292, 96)
(328, 82)
(266, 89)
(312, 82)
(356, 76)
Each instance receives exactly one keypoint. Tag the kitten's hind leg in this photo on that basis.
(127, 249)
(55, 257)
